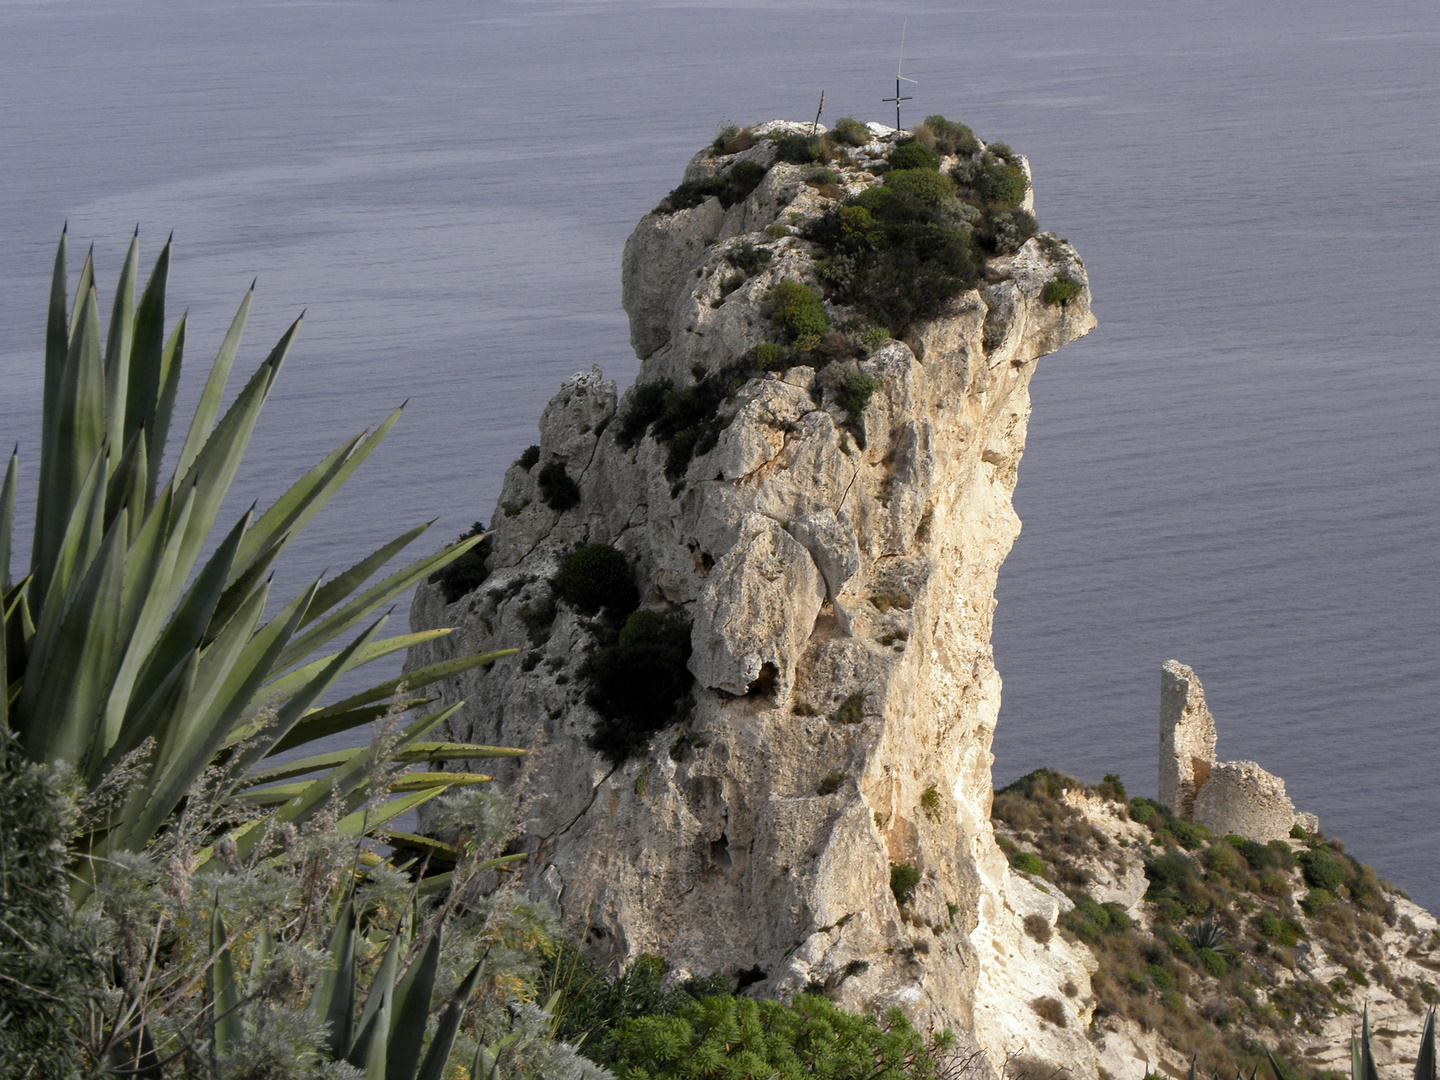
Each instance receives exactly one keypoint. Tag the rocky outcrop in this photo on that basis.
(838, 568)
(1228, 797)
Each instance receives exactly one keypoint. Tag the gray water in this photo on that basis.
(1237, 469)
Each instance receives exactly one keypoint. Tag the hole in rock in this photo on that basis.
(707, 561)
(764, 684)
(749, 977)
(720, 853)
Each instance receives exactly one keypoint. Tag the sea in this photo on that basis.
(1236, 469)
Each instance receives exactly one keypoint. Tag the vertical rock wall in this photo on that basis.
(840, 581)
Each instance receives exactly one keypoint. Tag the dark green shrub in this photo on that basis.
(1111, 788)
(797, 149)
(856, 393)
(997, 182)
(852, 709)
(1059, 290)
(1224, 860)
(1316, 900)
(896, 251)
(1172, 1001)
(747, 258)
(1143, 810)
(597, 576)
(1119, 919)
(528, 459)
(47, 969)
(1259, 856)
(1321, 869)
(1170, 871)
(730, 1038)
(1212, 961)
(557, 490)
(768, 356)
(1159, 977)
(850, 131)
(951, 137)
(798, 309)
(1190, 836)
(914, 155)
(468, 572)
(903, 879)
(730, 187)
(1027, 862)
(1005, 232)
(639, 685)
(686, 421)
(732, 140)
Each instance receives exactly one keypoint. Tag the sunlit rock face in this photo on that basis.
(839, 573)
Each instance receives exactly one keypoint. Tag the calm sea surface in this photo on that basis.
(1237, 469)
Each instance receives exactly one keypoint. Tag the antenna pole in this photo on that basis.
(818, 111)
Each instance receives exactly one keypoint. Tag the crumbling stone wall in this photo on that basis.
(1226, 797)
(1187, 738)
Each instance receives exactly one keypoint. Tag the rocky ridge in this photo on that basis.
(837, 565)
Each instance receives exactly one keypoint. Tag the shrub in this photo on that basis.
(922, 187)
(798, 309)
(686, 421)
(1005, 232)
(903, 879)
(856, 393)
(47, 970)
(1224, 860)
(1142, 810)
(1171, 870)
(1027, 862)
(995, 181)
(1321, 869)
(730, 187)
(1111, 788)
(1038, 927)
(639, 684)
(1172, 1001)
(747, 258)
(852, 709)
(948, 137)
(528, 458)
(768, 355)
(1049, 1009)
(914, 155)
(1159, 977)
(832, 783)
(776, 231)
(1059, 290)
(732, 140)
(1191, 837)
(468, 572)
(557, 490)
(597, 576)
(1316, 900)
(930, 801)
(797, 149)
(850, 131)
(1212, 961)
(741, 1037)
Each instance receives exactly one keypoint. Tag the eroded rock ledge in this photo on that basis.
(838, 570)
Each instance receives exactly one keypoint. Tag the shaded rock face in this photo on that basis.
(839, 575)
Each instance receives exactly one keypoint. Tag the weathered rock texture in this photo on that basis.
(1227, 797)
(821, 565)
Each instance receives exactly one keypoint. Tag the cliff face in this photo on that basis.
(839, 580)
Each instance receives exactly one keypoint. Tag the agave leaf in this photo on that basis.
(1425, 1057)
(414, 754)
(372, 599)
(363, 822)
(145, 370)
(305, 733)
(64, 711)
(382, 987)
(123, 486)
(4, 676)
(439, 883)
(219, 459)
(347, 581)
(203, 419)
(260, 951)
(1367, 1059)
(410, 1008)
(369, 1051)
(78, 437)
(436, 1058)
(294, 510)
(425, 845)
(333, 998)
(187, 626)
(415, 680)
(7, 517)
(57, 348)
(276, 794)
(244, 584)
(159, 427)
(81, 538)
(224, 992)
(117, 346)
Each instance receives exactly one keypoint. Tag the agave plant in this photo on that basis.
(122, 646)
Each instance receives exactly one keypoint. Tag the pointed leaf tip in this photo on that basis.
(136, 233)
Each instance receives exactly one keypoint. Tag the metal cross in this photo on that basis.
(900, 78)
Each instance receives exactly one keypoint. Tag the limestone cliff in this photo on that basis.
(838, 568)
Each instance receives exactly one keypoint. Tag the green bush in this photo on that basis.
(797, 149)
(914, 155)
(856, 393)
(768, 355)
(1224, 860)
(1212, 961)
(730, 187)
(686, 421)
(851, 132)
(1005, 232)
(1159, 977)
(468, 572)
(747, 258)
(1172, 1001)
(47, 969)
(798, 309)
(733, 1038)
(995, 182)
(1143, 811)
(921, 187)
(557, 490)
(950, 137)
(903, 879)
(528, 459)
(640, 683)
(1027, 862)
(1171, 870)
(1316, 900)
(597, 576)
(1191, 837)
(1059, 290)
(1321, 869)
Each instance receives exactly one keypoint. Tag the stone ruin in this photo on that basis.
(1228, 796)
